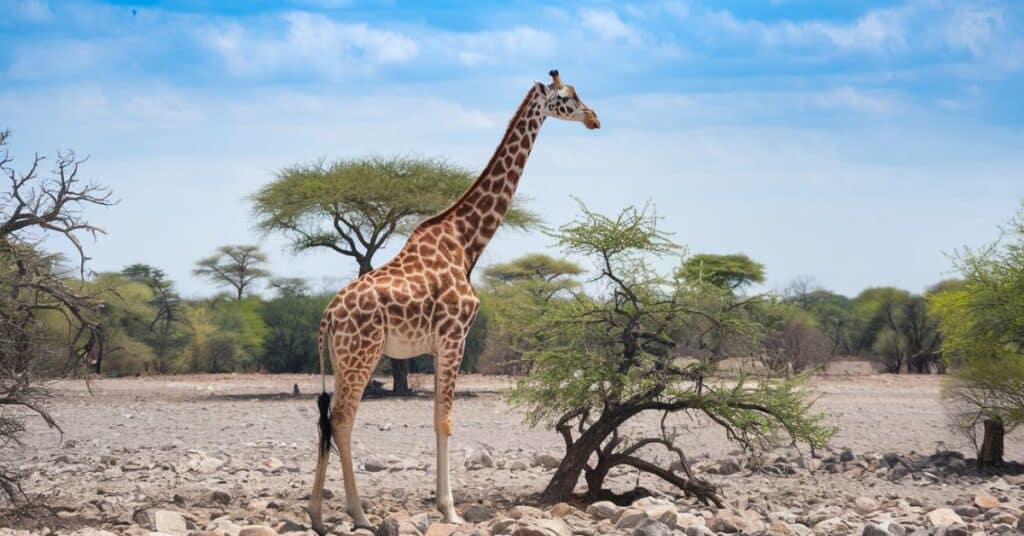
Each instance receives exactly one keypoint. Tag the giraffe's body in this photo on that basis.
(422, 301)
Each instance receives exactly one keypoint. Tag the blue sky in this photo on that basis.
(857, 142)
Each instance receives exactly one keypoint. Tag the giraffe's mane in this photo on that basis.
(490, 164)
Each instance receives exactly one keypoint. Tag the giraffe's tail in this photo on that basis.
(323, 401)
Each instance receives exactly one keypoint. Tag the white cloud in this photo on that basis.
(877, 30)
(311, 43)
(607, 25)
(490, 46)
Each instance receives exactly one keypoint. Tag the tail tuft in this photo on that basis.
(324, 403)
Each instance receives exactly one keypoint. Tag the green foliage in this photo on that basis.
(730, 272)
(897, 326)
(982, 323)
(292, 321)
(355, 206)
(616, 351)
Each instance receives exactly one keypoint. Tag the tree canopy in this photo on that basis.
(354, 206)
(730, 272)
(238, 267)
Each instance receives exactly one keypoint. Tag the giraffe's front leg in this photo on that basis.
(446, 368)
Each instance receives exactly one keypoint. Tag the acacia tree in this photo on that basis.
(48, 327)
(238, 267)
(535, 279)
(167, 325)
(982, 324)
(354, 207)
(602, 358)
(731, 272)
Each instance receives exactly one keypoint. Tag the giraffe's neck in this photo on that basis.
(479, 211)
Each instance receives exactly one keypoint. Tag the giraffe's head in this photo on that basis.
(561, 101)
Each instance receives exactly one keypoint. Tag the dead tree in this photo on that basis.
(48, 322)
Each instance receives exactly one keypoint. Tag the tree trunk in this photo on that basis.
(991, 452)
(400, 377)
(562, 484)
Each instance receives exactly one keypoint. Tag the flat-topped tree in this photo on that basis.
(238, 267)
(355, 206)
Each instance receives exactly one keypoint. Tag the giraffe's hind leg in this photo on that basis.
(323, 453)
(351, 377)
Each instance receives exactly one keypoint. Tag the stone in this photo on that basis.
(543, 459)
(629, 518)
(955, 530)
(865, 505)
(603, 509)
(699, 530)
(883, 529)
(271, 465)
(257, 530)
(527, 512)
(219, 496)
(480, 460)
(478, 513)
(167, 521)
(651, 527)
(732, 521)
(728, 466)
(552, 527)
(502, 524)
(560, 510)
(406, 528)
(421, 521)
(686, 520)
(440, 529)
(846, 455)
(1014, 480)
(986, 501)
(375, 465)
(200, 462)
(942, 518)
(832, 526)
(389, 527)
(779, 528)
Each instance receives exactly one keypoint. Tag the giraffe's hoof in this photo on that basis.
(319, 529)
(453, 518)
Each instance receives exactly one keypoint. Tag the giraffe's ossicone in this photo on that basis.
(422, 301)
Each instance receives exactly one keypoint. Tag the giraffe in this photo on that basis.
(422, 301)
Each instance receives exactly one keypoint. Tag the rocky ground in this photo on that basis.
(234, 454)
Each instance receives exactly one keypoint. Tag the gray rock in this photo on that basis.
(846, 455)
(865, 505)
(728, 466)
(156, 520)
(699, 530)
(421, 521)
(543, 459)
(257, 530)
(629, 518)
(603, 509)
(480, 460)
(219, 496)
(374, 465)
(651, 527)
(942, 518)
(477, 513)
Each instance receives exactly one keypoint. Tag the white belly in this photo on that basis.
(399, 347)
